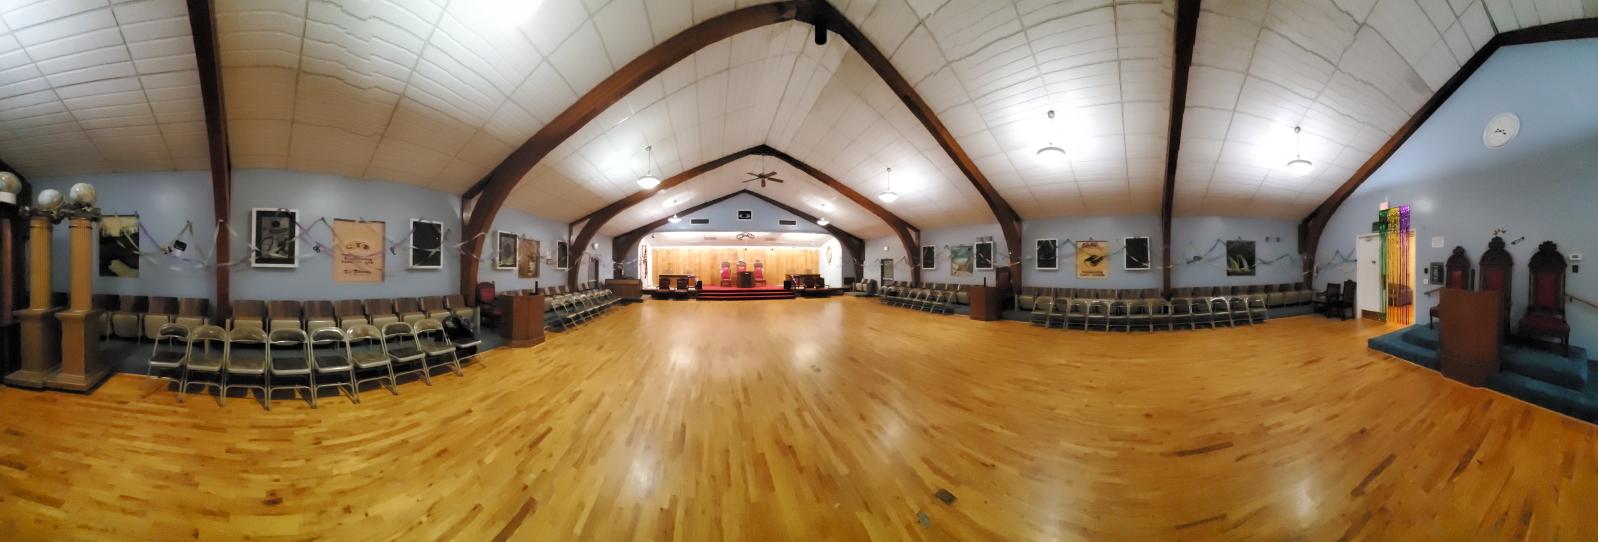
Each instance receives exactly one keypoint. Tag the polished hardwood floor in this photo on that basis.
(832, 419)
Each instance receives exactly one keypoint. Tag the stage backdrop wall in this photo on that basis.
(723, 217)
(1542, 186)
(706, 262)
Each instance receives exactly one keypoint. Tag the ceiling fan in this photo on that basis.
(763, 177)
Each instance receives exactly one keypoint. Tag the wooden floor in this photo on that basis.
(825, 419)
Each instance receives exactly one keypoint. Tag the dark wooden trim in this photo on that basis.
(1315, 223)
(202, 23)
(1009, 220)
(624, 243)
(504, 178)
(1187, 16)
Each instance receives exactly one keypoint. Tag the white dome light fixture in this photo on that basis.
(888, 196)
(649, 181)
(1050, 152)
(822, 222)
(10, 185)
(674, 219)
(1298, 165)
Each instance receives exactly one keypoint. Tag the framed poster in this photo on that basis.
(119, 246)
(527, 259)
(562, 255)
(984, 256)
(1136, 256)
(357, 251)
(960, 264)
(427, 245)
(929, 257)
(1092, 259)
(275, 233)
(1047, 255)
(887, 268)
(504, 250)
(1239, 258)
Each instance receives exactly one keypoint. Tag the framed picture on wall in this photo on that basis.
(119, 246)
(960, 264)
(1240, 258)
(505, 250)
(529, 251)
(427, 244)
(1092, 259)
(746, 214)
(1136, 256)
(1048, 255)
(887, 268)
(984, 255)
(275, 233)
(562, 255)
(358, 250)
(929, 257)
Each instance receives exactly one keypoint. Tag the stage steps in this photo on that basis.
(752, 294)
(1558, 382)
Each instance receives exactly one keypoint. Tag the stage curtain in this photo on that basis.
(706, 262)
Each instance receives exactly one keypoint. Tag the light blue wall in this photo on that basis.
(1275, 250)
(547, 232)
(889, 248)
(943, 238)
(724, 217)
(164, 201)
(1103, 228)
(1542, 186)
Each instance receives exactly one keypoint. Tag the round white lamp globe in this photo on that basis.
(50, 199)
(10, 184)
(1299, 166)
(83, 194)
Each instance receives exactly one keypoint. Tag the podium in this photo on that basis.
(985, 302)
(521, 319)
(626, 288)
(1471, 335)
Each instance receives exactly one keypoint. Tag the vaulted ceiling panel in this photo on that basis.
(1349, 73)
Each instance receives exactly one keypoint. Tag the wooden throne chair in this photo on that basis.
(1545, 310)
(1456, 274)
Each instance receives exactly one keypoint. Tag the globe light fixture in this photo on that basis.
(1051, 153)
(83, 195)
(649, 181)
(1298, 165)
(50, 199)
(10, 185)
(888, 196)
(822, 222)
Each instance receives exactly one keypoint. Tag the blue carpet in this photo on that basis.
(1547, 379)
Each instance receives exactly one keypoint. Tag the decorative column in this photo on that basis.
(81, 324)
(41, 333)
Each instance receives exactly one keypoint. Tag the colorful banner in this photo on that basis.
(357, 251)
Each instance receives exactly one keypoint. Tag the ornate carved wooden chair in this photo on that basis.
(760, 273)
(1545, 310)
(1456, 275)
(1497, 267)
(726, 274)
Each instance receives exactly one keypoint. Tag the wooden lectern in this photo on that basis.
(521, 319)
(985, 302)
(1471, 334)
(626, 288)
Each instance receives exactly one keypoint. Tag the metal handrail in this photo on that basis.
(1432, 291)
(1582, 301)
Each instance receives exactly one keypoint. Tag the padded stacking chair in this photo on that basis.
(107, 304)
(433, 306)
(1199, 312)
(1333, 293)
(193, 312)
(1027, 299)
(435, 346)
(319, 314)
(349, 313)
(467, 344)
(170, 352)
(289, 355)
(1257, 308)
(283, 315)
(458, 307)
(126, 320)
(1042, 311)
(400, 343)
(409, 310)
(333, 361)
(207, 356)
(1273, 296)
(248, 313)
(370, 357)
(380, 312)
(246, 358)
(159, 311)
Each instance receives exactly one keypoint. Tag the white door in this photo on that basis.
(1368, 250)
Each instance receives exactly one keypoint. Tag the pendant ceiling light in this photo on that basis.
(888, 196)
(674, 219)
(822, 222)
(1298, 165)
(1050, 152)
(649, 180)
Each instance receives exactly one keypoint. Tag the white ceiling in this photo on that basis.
(437, 92)
(799, 191)
(88, 86)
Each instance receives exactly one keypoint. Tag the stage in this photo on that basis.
(725, 293)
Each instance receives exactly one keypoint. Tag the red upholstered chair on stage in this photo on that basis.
(726, 275)
(1497, 267)
(1545, 311)
(741, 266)
(1457, 275)
(760, 273)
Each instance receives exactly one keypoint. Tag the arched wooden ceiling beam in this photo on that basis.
(202, 26)
(856, 246)
(1187, 16)
(502, 180)
(1314, 225)
(597, 219)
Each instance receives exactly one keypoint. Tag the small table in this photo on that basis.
(746, 279)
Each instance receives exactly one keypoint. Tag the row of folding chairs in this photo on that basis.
(248, 358)
(921, 299)
(575, 308)
(141, 317)
(962, 292)
(1148, 314)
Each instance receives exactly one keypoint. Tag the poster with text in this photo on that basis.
(1092, 259)
(357, 251)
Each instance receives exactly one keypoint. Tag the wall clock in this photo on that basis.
(1500, 130)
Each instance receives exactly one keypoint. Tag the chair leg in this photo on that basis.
(312, 378)
(183, 385)
(266, 382)
(393, 383)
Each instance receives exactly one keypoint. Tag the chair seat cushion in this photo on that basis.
(332, 363)
(167, 358)
(1544, 323)
(290, 364)
(250, 363)
(404, 353)
(370, 359)
(202, 363)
